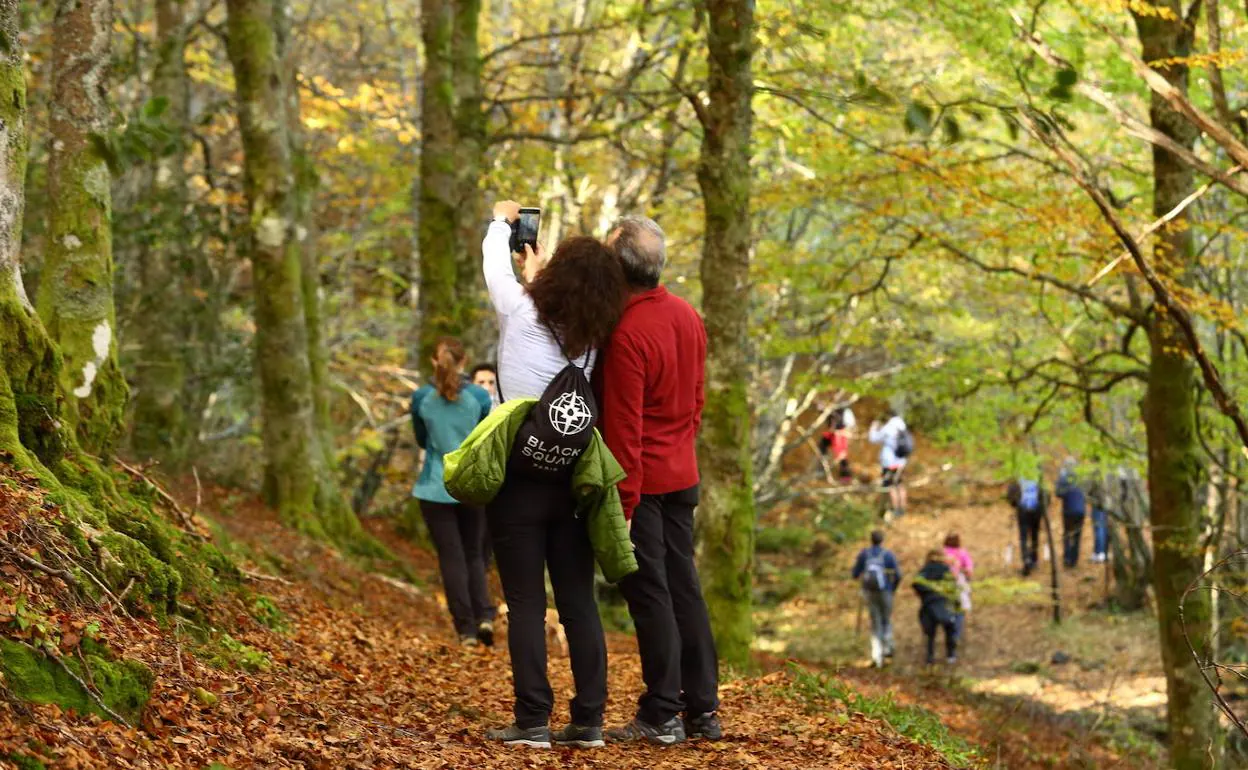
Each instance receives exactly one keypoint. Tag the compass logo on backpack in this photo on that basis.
(569, 414)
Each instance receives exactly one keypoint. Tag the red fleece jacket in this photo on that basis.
(649, 384)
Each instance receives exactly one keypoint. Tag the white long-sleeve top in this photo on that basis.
(886, 436)
(528, 355)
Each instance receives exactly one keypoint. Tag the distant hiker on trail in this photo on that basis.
(877, 569)
(443, 414)
(840, 430)
(546, 477)
(1030, 501)
(1104, 493)
(896, 446)
(959, 560)
(1074, 511)
(651, 386)
(485, 376)
(937, 591)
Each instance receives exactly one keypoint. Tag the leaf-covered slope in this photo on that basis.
(335, 667)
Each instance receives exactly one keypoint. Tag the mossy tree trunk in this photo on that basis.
(132, 544)
(297, 481)
(165, 417)
(306, 182)
(452, 143)
(29, 407)
(726, 517)
(76, 287)
(1174, 456)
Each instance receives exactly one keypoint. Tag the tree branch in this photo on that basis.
(1163, 296)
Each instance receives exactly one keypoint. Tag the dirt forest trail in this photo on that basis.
(1030, 683)
(359, 670)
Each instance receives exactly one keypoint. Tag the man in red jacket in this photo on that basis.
(650, 383)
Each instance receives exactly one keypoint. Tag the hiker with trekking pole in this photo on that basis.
(877, 569)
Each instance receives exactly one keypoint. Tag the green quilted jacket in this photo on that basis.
(474, 473)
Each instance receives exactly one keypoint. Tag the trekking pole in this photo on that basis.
(858, 619)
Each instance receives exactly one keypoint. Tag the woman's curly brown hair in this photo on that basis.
(580, 294)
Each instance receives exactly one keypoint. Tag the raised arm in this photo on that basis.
(506, 293)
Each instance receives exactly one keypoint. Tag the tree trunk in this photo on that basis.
(310, 267)
(76, 289)
(165, 424)
(726, 522)
(452, 143)
(1169, 410)
(297, 481)
(29, 409)
(470, 143)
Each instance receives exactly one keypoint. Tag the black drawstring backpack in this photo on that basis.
(559, 428)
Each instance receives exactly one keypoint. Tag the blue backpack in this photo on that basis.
(1029, 499)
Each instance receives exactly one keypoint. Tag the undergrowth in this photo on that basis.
(914, 722)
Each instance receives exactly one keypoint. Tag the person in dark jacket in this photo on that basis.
(1074, 511)
(443, 414)
(937, 592)
(650, 388)
(1030, 501)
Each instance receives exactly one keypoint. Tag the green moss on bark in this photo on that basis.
(726, 518)
(76, 291)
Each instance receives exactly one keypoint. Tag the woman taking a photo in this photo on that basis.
(443, 414)
(562, 314)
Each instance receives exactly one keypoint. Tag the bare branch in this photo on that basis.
(1164, 297)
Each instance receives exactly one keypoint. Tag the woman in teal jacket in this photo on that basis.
(443, 414)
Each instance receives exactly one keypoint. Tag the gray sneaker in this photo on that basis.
(669, 733)
(580, 737)
(533, 737)
(704, 726)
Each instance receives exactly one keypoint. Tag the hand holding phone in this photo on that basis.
(526, 228)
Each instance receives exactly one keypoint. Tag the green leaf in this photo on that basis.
(155, 107)
(918, 118)
(952, 131)
(1067, 77)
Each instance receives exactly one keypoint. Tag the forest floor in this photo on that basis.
(324, 665)
(1088, 692)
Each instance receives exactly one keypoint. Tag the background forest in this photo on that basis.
(230, 231)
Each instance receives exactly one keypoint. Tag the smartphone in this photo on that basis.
(526, 228)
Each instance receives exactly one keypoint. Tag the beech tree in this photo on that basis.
(726, 518)
(76, 288)
(298, 482)
(452, 149)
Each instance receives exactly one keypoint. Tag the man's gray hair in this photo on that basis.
(641, 246)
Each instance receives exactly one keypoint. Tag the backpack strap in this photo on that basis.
(564, 351)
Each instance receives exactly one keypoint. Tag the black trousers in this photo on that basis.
(678, 659)
(1072, 535)
(456, 531)
(931, 622)
(534, 528)
(1029, 539)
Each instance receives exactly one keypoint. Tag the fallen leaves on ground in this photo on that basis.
(368, 675)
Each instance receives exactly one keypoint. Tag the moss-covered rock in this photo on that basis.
(124, 685)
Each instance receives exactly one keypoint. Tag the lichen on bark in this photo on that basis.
(76, 290)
